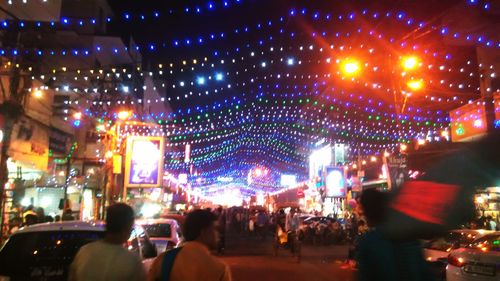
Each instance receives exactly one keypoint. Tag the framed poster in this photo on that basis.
(335, 182)
(144, 161)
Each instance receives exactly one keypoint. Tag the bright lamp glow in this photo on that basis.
(201, 80)
(150, 210)
(350, 67)
(478, 123)
(258, 172)
(38, 94)
(123, 115)
(77, 115)
(415, 85)
(410, 63)
(108, 154)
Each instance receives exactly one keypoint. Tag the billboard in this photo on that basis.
(288, 180)
(469, 121)
(335, 182)
(144, 161)
(319, 159)
(397, 168)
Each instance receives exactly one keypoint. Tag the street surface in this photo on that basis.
(252, 259)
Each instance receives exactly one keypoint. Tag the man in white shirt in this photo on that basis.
(292, 227)
(193, 261)
(292, 221)
(107, 259)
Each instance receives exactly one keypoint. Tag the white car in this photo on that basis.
(440, 248)
(45, 251)
(164, 233)
(479, 261)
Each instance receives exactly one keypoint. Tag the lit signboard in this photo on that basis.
(288, 180)
(469, 121)
(335, 182)
(318, 159)
(144, 161)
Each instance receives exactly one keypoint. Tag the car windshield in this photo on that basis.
(487, 243)
(43, 255)
(158, 230)
(452, 240)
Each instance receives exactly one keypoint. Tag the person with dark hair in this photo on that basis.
(379, 258)
(67, 215)
(30, 217)
(193, 261)
(107, 259)
(221, 227)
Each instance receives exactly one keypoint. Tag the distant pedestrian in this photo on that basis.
(292, 228)
(192, 261)
(107, 259)
(262, 221)
(221, 227)
(30, 217)
(67, 215)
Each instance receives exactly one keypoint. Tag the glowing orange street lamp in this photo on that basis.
(108, 154)
(410, 63)
(124, 115)
(415, 85)
(350, 67)
(403, 147)
(38, 94)
(77, 115)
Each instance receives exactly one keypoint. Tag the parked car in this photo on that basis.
(441, 247)
(323, 220)
(45, 251)
(436, 251)
(478, 261)
(164, 233)
(173, 216)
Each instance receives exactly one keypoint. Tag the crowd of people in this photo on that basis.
(29, 215)
(108, 260)
(376, 256)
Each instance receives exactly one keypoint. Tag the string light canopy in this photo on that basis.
(261, 92)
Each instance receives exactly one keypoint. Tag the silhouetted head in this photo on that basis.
(119, 221)
(200, 226)
(374, 206)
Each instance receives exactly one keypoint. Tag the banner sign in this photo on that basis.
(144, 161)
(335, 182)
(397, 166)
(59, 141)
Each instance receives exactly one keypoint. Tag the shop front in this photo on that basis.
(488, 202)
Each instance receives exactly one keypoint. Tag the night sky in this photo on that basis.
(283, 92)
